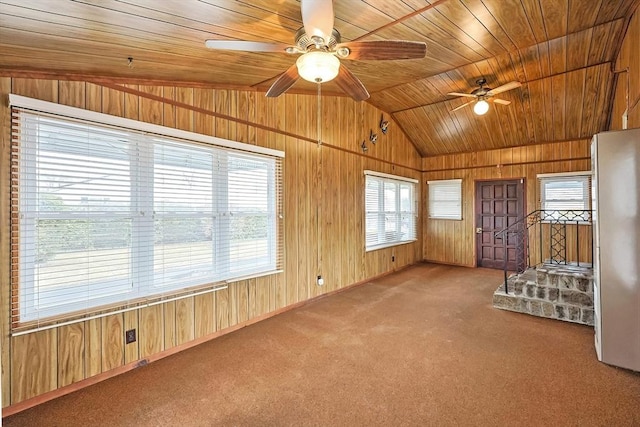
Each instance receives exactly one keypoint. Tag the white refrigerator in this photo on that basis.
(615, 163)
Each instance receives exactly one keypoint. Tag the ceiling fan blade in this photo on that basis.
(384, 49)
(317, 18)
(351, 85)
(284, 82)
(247, 46)
(462, 106)
(468, 95)
(504, 88)
(499, 101)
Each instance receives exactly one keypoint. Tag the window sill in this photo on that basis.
(389, 245)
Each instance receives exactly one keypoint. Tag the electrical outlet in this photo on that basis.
(320, 281)
(130, 336)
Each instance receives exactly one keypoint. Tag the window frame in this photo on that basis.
(28, 316)
(433, 185)
(398, 212)
(544, 179)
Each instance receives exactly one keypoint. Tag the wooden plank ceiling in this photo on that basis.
(562, 51)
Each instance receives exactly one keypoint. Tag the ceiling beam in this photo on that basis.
(616, 73)
(400, 20)
(70, 76)
(257, 125)
(586, 67)
(501, 165)
(67, 76)
(517, 50)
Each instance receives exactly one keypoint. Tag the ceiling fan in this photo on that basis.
(483, 95)
(321, 49)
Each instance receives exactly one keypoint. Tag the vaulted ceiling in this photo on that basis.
(562, 51)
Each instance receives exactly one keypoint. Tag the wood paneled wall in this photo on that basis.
(627, 90)
(453, 242)
(324, 221)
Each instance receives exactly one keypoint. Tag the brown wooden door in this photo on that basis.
(498, 205)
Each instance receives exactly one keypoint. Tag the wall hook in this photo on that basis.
(384, 124)
(373, 137)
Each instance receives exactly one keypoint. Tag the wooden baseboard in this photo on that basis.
(430, 261)
(45, 397)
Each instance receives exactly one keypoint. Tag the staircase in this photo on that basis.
(552, 252)
(562, 292)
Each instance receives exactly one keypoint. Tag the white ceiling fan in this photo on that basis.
(483, 95)
(321, 49)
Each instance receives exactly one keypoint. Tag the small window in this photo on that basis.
(445, 199)
(390, 205)
(565, 196)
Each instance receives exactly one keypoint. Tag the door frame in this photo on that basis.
(523, 182)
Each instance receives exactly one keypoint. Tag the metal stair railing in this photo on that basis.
(552, 225)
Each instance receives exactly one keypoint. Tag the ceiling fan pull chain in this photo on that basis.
(319, 115)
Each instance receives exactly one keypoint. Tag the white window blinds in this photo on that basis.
(564, 192)
(391, 213)
(445, 199)
(105, 216)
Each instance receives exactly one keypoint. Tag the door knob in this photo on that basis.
(479, 230)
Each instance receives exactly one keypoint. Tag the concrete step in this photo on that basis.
(554, 292)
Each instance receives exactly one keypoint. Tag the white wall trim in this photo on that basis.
(443, 181)
(562, 174)
(387, 175)
(93, 116)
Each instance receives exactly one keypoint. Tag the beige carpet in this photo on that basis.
(421, 347)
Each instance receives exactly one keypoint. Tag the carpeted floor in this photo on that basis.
(421, 347)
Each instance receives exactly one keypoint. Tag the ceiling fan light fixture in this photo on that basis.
(318, 66)
(481, 107)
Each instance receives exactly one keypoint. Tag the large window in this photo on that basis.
(445, 199)
(110, 214)
(565, 195)
(391, 215)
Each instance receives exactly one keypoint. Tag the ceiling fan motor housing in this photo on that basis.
(305, 43)
(482, 90)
